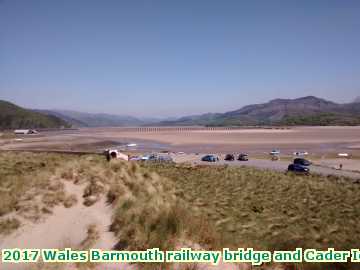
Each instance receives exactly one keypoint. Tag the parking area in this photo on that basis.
(279, 165)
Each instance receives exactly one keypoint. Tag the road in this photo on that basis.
(279, 165)
(268, 164)
(282, 166)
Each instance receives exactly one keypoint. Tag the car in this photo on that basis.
(243, 157)
(297, 168)
(149, 157)
(164, 159)
(301, 153)
(155, 158)
(131, 145)
(145, 157)
(210, 158)
(302, 161)
(275, 152)
(229, 157)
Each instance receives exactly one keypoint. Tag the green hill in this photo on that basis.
(14, 117)
(322, 119)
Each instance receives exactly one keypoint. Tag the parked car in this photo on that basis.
(344, 155)
(302, 161)
(164, 159)
(301, 153)
(149, 157)
(229, 157)
(156, 158)
(297, 168)
(243, 157)
(275, 152)
(210, 158)
(131, 145)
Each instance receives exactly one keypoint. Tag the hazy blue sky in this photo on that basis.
(165, 58)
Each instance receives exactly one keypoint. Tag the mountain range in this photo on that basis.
(308, 110)
(83, 119)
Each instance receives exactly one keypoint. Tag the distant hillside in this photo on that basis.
(80, 119)
(301, 111)
(200, 120)
(14, 117)
(70, 120)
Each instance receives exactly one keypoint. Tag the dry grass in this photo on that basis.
(145, 209)
(70, 201)
(167, 206)
(92, 236)
(7, 135)
(149, 214)
(269, 210)
(23, 175)
(52, 199)
(8, 225)
(27, 183)
(31, 184)
(94, 189)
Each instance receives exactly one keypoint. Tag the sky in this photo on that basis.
(174, 58)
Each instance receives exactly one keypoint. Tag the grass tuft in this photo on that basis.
(9, 225)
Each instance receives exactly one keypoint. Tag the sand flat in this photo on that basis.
(195, 139)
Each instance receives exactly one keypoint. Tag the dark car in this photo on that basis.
(209, 158)
(302, 161)
(166, 159)
(229, 157)
(243, 157)
(297, 168)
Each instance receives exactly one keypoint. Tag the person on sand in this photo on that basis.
(340, 166)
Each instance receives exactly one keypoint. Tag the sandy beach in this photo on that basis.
(317, 140)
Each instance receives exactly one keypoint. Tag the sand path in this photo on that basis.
(65, 228)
